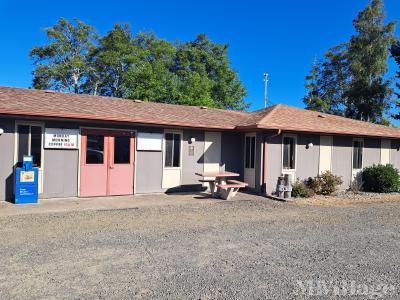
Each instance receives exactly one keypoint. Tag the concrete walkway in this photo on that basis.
(110, 203)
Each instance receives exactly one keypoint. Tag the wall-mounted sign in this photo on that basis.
(149, 141)
(58, 138)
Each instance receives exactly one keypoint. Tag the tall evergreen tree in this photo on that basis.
(369, 93)
(63, 65)
(327, 82)
(314, 95)
(396, 55)
(352, 77)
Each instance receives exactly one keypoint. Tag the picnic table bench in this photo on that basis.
(230, 188)
(219, 186)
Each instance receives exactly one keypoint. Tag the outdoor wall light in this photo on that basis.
(309, 145)
(192, 140)
(1, 131)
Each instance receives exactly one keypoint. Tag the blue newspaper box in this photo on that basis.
(26, 182)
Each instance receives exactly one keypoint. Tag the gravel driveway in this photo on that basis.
(204, 250)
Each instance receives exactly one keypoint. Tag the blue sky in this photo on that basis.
(281, 37)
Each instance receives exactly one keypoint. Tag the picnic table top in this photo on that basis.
(217, 174)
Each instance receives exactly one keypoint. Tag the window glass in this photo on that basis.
(172, 150)
(30, 143)
(122, 150)
(177, 150)
(247, 152)
(95, 149)
(250, 151)
(253, 151)
(357, 154)
(23, 142)
(169, 145)
(289, 153)
(36, 145)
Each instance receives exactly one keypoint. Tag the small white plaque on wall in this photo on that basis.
(58, 138)
(147, 141)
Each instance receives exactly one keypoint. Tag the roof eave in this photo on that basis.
(110, 118)
(331, 132)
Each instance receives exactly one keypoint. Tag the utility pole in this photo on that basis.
(265, 90)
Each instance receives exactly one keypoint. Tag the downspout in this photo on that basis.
(265, 157)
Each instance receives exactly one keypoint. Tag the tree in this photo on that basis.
(139, 66)
(395, 50)
(63, 65)
(369, 93)
(351, 79)
(327, 82)
(204, 70)
(110, 62)
(192, 73)
(313, 98)
(152, 78)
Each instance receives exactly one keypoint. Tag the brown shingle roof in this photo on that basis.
(54, 104)
(289, 118)
(17, 101)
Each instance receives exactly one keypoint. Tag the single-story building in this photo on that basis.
(97, 146)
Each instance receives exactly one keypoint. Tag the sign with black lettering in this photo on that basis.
(58, 138)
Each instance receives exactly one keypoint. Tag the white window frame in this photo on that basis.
(180, 152)
(16, 137)
(294, 136)
(250, 135)
(352, 153)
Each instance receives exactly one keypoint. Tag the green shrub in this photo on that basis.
(300, 190)
(324, 184)
(381, 179)
(314, 184)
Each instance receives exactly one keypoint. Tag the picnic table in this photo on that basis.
(219, 185)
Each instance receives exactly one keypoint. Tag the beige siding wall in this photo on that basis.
(274, 162)
(395, 154)
(307, 158)
(372, 152)
(6, 159)
(342, 159)
(60, 176)
(192, 163)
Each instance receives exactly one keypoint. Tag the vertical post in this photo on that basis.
(265, 90)
(265, 162)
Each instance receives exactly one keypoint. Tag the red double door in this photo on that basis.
(107, 162)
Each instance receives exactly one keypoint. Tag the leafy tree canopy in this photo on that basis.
(63, 63)
(139, 66)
